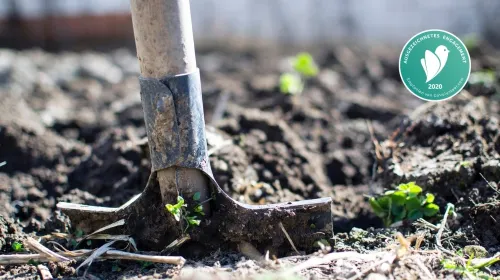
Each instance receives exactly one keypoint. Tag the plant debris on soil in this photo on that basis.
(72, 130)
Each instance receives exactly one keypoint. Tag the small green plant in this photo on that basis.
(472, 268)
(291, 83)
(179, 211)
(17, 247)
(405, 203)
(303, 67)
(304, 64)
(466, 164)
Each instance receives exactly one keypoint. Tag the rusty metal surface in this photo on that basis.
(175, 124)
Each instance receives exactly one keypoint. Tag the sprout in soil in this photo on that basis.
(17, 247)
(179, 211)
(405, 203)
(303, 67)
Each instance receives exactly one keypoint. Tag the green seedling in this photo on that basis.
(304, 67)
(405, 203)
(191, 219)
(472, 269)
(291, 83)
(17, 247)
(466, 164)
(304, 64)
(176, 209)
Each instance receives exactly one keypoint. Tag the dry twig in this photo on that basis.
(82, 254)
(288, 237)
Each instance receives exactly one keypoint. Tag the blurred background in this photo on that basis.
(77, 24)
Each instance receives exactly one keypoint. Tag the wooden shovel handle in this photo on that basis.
(163, 37)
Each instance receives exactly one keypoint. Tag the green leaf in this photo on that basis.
(403, 187)
(192, 221)
(3, 163)
(413, 203)
(389, 192)
(197, 196)
(180, 202)
(399, 213)
(414, 189)
(449, 264)
(199, 209)
(174, 210)
(429, 198)
(17, 246)
(379, 211)
(305, 65)
(385, 202)
(398, 198)
(170, 208)
(291, 84)
(415, 214)
(431, 209)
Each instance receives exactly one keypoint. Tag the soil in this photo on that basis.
(72, 130)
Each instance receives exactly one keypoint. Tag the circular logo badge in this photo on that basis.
(434, 65)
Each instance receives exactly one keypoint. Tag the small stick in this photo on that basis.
(489, 185)
(289, 239)
(82, 254)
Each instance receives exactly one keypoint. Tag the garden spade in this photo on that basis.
(173, 112)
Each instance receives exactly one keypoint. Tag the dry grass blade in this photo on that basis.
(115, 224)
(178, 242)
(97, 253)
(37, 247)
(489, 184)
(105, 236)
(288, 237)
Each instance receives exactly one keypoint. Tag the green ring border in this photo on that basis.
(449, 33)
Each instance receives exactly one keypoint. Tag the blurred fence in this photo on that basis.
(61, 23)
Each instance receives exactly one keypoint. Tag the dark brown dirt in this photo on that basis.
(72, 130)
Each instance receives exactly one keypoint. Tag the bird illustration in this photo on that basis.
(433, 63)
